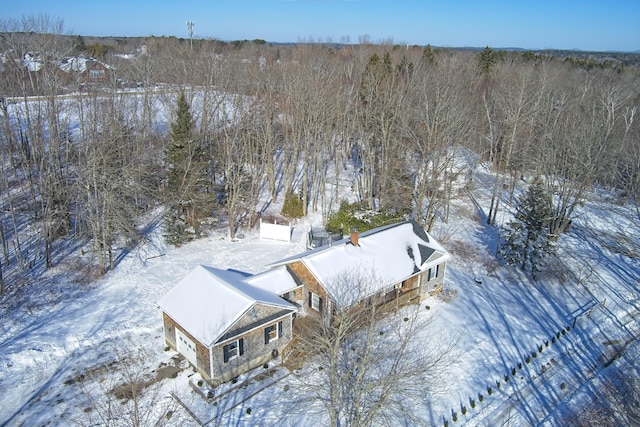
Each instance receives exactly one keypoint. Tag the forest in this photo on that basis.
(84, 164)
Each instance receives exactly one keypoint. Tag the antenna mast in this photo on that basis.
(190, 32)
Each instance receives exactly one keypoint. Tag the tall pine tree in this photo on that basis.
(186, 173)
(525, 241)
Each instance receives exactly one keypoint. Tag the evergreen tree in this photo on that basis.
(428, 55)
(79, 45)
(486, 61)
(405, 67)
(185, 197)
(525, 240)
(375, 76)
(293, 206)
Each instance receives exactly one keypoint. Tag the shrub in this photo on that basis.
(534, 354)
(248, 411)
(506, 378)
(473, 403)
(513, 370)
(490, 390)
(480, 397)
(528, 359)
(463, 409)
(564, 332)
(498, 384)
(546, 343)
(539, 349)
(356, 215)
(427, 307)
(292, 206)
(455, 417)
(519, 366)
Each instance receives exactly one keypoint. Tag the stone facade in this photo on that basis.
(255, 351)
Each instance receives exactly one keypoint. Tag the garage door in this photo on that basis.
(186, 347)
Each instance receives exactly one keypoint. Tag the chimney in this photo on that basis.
(354, 237)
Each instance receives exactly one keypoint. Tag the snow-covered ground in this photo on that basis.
(57, 355)
(72, 340)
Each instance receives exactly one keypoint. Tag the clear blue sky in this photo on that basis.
(532, 24)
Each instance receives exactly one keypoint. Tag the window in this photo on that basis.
(96, 74)
(233, 349)
(315, 301)
(433, 272)
(272, 333)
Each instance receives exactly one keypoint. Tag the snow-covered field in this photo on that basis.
(590, 298)
(72, 340)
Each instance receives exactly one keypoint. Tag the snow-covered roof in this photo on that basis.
(384, 257)
(32, 62)
(277, 280)
(79, 64)
(208, 301)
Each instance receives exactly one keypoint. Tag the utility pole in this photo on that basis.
(190, 32)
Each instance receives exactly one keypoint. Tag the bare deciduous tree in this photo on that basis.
(123, 393)
(436, 125)
(369, 366)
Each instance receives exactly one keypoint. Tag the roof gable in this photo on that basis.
(208, 302)
(257, 316)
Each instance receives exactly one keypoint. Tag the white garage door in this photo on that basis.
(186, 347)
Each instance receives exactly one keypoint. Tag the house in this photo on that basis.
(223, 325)
(399, 263)
(226, 322)
(84, 70)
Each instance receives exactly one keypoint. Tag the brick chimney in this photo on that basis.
(354, 237)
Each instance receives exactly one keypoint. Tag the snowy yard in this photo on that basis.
(529, 353)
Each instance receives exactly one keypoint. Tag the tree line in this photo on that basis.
(250, 122)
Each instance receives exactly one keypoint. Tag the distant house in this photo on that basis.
(226, 323)
(33, 62)
(84, 70)
(223, 325)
